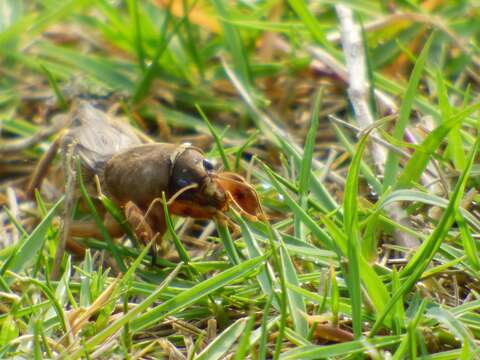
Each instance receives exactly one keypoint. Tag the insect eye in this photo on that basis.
(182, 183)
(207, 165)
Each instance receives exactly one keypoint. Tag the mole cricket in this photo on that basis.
(134, 175)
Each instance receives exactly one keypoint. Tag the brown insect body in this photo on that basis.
(142, 173)
(135, 175)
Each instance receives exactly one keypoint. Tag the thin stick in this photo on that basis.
(358, 93)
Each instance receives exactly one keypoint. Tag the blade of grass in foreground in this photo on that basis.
(216, 137)
(425, 253)
(296, 302)
(118, 324)
(373, 284)
(454, 145)
(266, 275)
(27, 250)
(344, 349)
(143, 85)
(431, 245)
(468, 241)
(306, 167)
(353, 236)
(296, 208)
(367, 172)
(54, 85)
(425, 198)
(393, 159)
(197, 292)
(244, 346)
(228, 243)
(218, 348)
(407, 341)
(418, 162)
(453, 324)
(182, 252)
(133, 8)
(337, 242)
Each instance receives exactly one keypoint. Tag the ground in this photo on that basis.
(357, 125)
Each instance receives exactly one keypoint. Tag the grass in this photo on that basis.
(326, 276)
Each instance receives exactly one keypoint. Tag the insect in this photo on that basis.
(135, 174)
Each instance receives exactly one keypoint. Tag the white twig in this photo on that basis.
(13, 205)
(357, 78)
(322, 58)
(353, 49)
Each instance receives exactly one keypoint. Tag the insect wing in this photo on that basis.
(99, 138)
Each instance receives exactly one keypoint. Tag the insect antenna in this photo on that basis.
(171, 200)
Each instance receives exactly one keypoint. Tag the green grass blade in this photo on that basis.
(317, 188)
(310, 21)
(143, 85)
(393, 159)
(216, 137)
(297, 209)
(228, 243)
(266, 276)
(244, 342)
(98, 220)
(306, 167)
(416, 196)
(429, 247)
(262, 346)
(85, 282)
(119, 323)
(54, 84)
(365, 169)
(119, 216)
(28, 249)
(418, 162)
(233, 42)
(372, 282)
(182, 252)
(408, 341)
(399, 313)
(455, 145)
(197, 292)
(468, 241)
(425, 253)
(454, 325)
(219, 347)
(133, 8)
(353, 236)
(314, 352)
(295, 301)
(334, 295)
